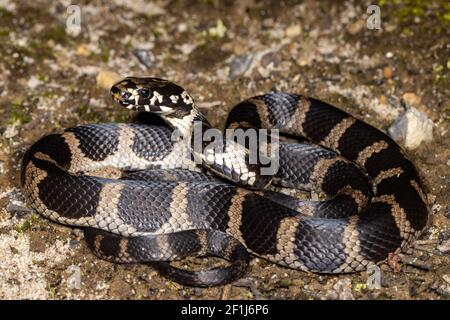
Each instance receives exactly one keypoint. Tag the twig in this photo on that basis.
(415, 263)
(429, 250)
(426, 241)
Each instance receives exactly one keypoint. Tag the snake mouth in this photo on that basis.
(124, 103)
(127, 103)
(122, 96)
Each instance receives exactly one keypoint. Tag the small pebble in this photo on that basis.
(240, 64)
(444, 291)
(198, 291)
(342, 289)
(444, 247)
(73, 244)
(83, 50)
(10, 132)
(77, 233)
(444, 234)
(145, 57)
(218, 31)
(331, 295)
(106, 78)
(387, 72)
(293, 31)
(239, 49)
(33, 82)
(18, 211)
(356, 27)
(411, 99)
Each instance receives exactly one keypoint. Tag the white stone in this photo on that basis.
(141, 7)
(8, 5)
(10, 132)
(293, 31)
(412, 128)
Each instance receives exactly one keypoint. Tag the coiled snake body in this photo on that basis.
(160, 206)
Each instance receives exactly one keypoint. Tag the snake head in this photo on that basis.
(151, 95)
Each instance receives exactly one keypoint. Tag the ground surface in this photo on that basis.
(221, 52)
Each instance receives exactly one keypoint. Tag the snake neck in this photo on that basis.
(186, 123)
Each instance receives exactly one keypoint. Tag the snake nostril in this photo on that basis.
(125, 95)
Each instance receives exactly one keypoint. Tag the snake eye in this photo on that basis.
(144, 93)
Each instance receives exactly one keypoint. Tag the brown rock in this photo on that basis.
(411, 99)
(356, 27)
(293, 31)
(387, 72)
(106, 78)
(82, 50)
(239, 49)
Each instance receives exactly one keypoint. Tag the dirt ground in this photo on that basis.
(54, 75)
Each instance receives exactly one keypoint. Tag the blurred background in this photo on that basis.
(386, 62)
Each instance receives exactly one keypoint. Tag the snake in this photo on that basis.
(152, 192)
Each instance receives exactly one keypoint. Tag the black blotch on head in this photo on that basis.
(144, 93)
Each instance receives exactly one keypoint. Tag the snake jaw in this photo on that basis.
(139, 105)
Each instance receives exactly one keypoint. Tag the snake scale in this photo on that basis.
(141, 197)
